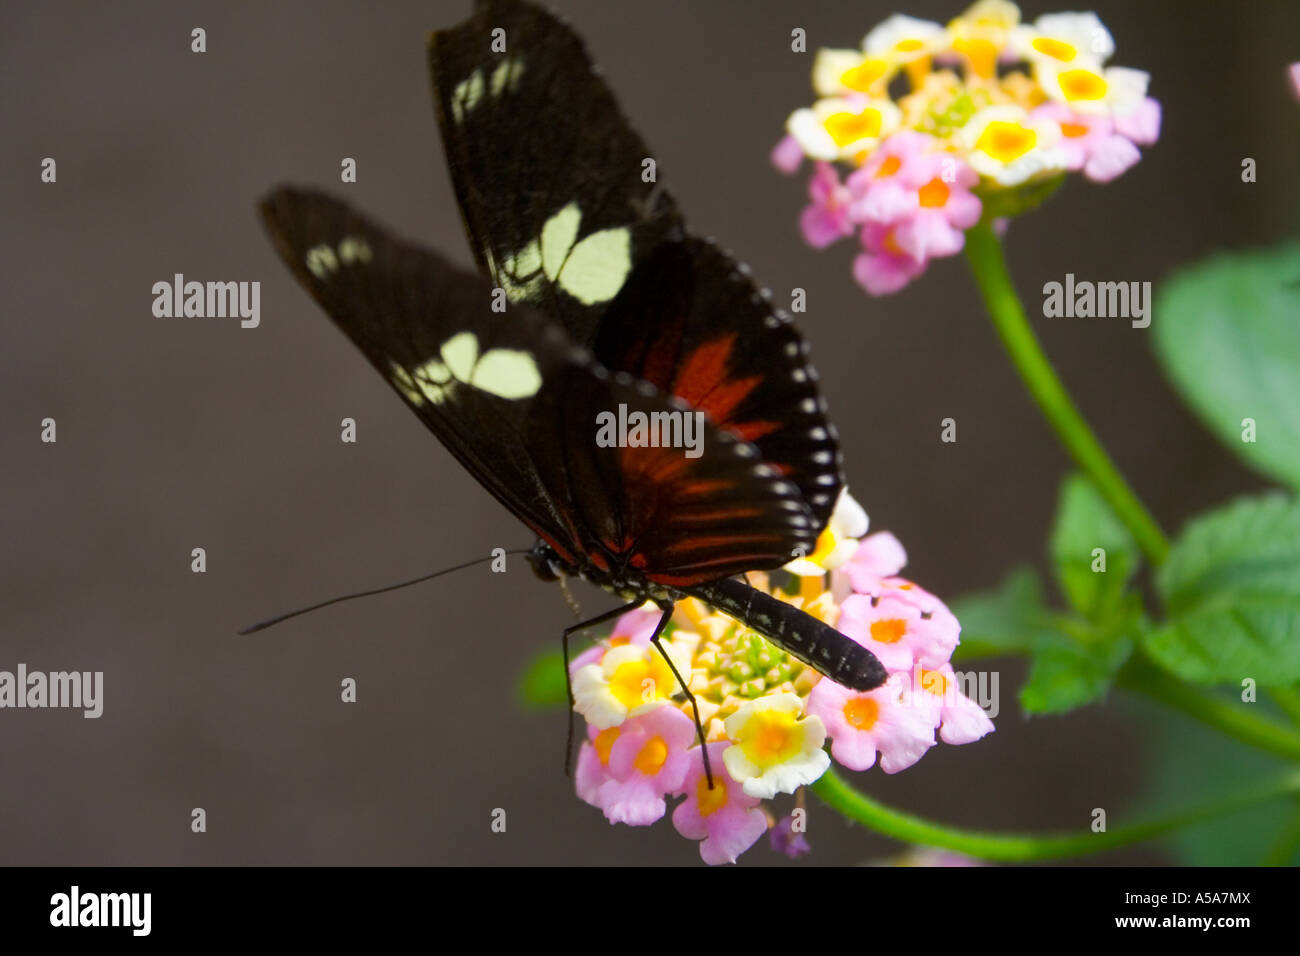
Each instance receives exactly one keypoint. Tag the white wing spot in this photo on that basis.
(557, 239)
(406, 385)
(321, 261)
(354, 249)
(506, 75)
(466, 95)
(592, 270)
(506, 373)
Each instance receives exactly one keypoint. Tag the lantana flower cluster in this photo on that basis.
(767, 716)
(927, 128)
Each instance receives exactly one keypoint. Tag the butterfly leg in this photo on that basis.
(568, 679)
(667, 608)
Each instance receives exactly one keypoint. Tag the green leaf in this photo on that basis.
(1066, 673)
(1188, 757)
(1092, 582)
(542, 685)
(1231, 588)
(1007, 620)
(1226, 332)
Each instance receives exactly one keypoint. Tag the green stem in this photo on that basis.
(1232, 718)
(984, 253)
(1024, 848)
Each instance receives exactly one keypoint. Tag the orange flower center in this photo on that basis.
(861, 713)
(1073, 130)
(652, 756)
(1082, 85)
(888, 632)
(934, 194)
(934, 682)
(710, 801)
(604, 743)
(890, 166)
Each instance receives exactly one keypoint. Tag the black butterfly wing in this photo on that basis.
(691, 322)
(672, 515)
(548, 172)
(468, 372)
(517, 404)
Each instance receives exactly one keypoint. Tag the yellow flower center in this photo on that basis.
(861, 713)
(865, 75)
(845, 128)
(652, 756)
(604, 743)
(826, 542)
(770, 737)
(888, 632)
(1006, 141)
(1056, 49)
(981, 54)
(891, 165)
(1082, 85)
(908, 46)
(710, 801)
(934, 194)
(637, 682)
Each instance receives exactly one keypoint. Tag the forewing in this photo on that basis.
(470, 373)
(551, 178)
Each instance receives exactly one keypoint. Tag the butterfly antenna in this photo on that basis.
(360, 594)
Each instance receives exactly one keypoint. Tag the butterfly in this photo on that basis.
(592, 295)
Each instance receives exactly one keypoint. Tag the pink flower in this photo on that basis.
(861, 724)
(879, 556)
(727, 820)
(1294, 71)
(1142, 125)
(787, 155)
(634, 628)
(647, 760)
(827, 219)
(593, 771)
(884, 188)
(945, 208)
(1090, 142)
(899, 632)
(964, 721)
(884, 267)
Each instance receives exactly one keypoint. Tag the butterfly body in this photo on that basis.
(591, 296)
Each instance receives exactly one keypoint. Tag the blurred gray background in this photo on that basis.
(183, 433)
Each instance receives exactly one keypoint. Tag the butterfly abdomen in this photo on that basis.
(799, 634)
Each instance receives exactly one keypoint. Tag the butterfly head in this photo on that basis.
(546, 564)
